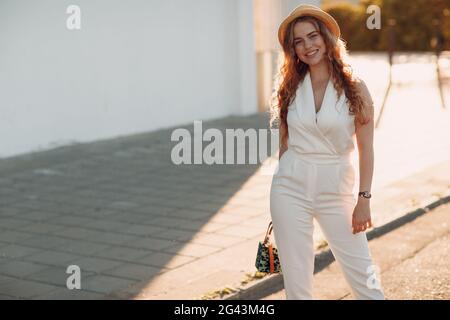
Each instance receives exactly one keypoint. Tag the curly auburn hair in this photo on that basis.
(291, 72)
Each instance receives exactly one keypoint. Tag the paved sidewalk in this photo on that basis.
(141, 227)
(146, 234)
(125, 214)
(414, 262)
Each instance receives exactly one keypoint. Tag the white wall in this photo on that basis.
(134, 66)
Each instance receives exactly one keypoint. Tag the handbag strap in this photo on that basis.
(268, 232)
(271, 259)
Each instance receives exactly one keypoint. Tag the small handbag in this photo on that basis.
(267, 256)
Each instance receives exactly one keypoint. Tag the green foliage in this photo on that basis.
(418, 23)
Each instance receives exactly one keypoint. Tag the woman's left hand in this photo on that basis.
(361, 219)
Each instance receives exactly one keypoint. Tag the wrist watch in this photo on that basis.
(365, 194)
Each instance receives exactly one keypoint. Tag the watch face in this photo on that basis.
(365, 194)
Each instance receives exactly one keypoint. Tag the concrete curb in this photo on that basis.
(273, 283)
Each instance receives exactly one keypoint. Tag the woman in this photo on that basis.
(321, 105)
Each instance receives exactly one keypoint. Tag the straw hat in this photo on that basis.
(308, 10)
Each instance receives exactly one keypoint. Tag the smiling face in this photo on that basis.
(308, 43)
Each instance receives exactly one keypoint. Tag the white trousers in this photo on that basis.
(320, 187)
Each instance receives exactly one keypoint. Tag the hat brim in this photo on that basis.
(308, 10)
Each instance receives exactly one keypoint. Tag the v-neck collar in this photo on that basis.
(310, 87)
(309, 96)
(306, 110)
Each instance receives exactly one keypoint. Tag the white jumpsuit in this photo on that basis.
(315, 179)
